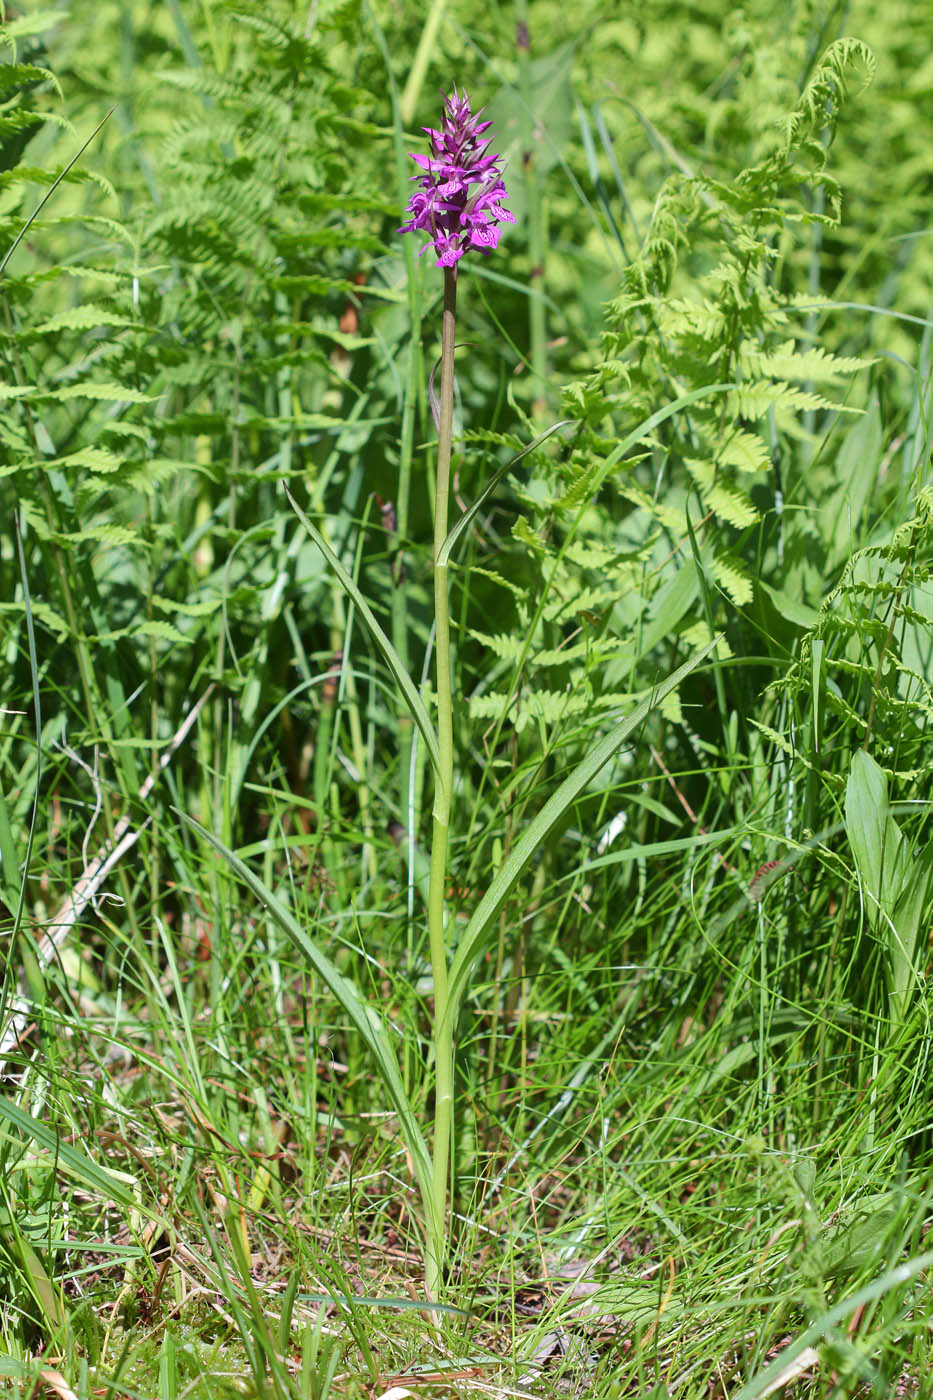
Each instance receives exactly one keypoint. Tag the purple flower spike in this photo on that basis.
(456, 217)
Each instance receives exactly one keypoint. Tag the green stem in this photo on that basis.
(419, 67)
(443, 1029)
(537, 326)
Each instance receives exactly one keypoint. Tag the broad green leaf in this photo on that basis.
(548, 123)
(859, 1242)
(790, 608)
(670, 604)
(873, 835)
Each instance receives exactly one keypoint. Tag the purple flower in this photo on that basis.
(455, 216)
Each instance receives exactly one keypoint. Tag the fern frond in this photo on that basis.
(820, 102)
(786, 362)
(503, 645)
(82, 318)
(730, 504)
(744, 450)
(733, 579)
(754, 400)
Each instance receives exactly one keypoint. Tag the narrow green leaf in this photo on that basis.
(20, 1369)
(9, 865)
(363, 1016)
(908, 917)
(413, 700)
(48, 1297)
(816, 686)
(71, 1160)
(359, 1300)
(477, 930)
(763, 1384)
(469, 515)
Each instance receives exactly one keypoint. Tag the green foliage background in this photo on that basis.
(214, 302)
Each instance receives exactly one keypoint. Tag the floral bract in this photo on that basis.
(459, 197)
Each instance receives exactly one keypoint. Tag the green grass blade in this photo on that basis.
(37, 711)
(69, 1159)
(50, 191)
(363, 1016)
(477, 930)
(762, 1384)
(416, 707)
(469, 515)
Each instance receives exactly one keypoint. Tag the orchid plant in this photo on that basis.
(459, 204)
